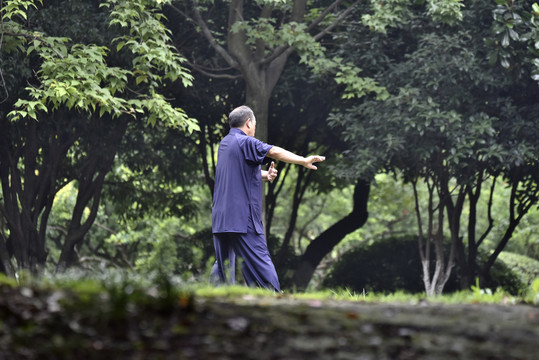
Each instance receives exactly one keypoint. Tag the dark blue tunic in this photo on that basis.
(237, 211)
(238, 183)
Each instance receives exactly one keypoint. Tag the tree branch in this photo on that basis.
(237, 42)
(214, 75)
(489, 213)
(287, 49)
(323, 15)
(330, 27)
(33, 37)
(209, 36)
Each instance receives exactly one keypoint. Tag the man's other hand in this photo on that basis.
(272, 172)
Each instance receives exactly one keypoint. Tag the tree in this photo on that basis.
(255, 41)
(259, 39)
(84, 95)
(257, 50)
(452, 122)
(516, 32)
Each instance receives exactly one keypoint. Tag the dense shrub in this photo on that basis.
(163, 247)
(393, 264)
(385, 266)
(526, 267)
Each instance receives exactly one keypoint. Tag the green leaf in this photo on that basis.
(505, 39)
(493, 57)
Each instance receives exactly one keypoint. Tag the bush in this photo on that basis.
(162, 247)
(387, 265)
(526, 267)
(393, 264)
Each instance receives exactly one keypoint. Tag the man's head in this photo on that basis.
(243, 118)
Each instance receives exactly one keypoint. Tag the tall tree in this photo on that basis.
(454, 123)
(80, 98)
(255, 41)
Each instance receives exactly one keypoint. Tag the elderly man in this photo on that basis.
(237, 201)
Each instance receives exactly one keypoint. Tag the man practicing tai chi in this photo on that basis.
(237, 201)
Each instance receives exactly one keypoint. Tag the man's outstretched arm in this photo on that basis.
(281, 154)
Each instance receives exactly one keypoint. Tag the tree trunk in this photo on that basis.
(101, 153)
(260, 76)
(6, 266)
(31, 154)
(299, 192)
(326, 241)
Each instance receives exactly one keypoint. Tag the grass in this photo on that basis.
(114, 284)
(474, 296)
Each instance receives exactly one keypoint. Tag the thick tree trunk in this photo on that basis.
(29, 180)
(260, 75)
(258, 100)
(326, 241)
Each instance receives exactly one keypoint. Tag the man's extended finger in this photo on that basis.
(272, 166)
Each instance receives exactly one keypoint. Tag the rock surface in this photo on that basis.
(59, 325)
(345, 330)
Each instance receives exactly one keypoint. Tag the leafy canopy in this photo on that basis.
(79, 76)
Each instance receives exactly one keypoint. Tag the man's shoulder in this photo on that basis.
(245, 142)
(244, 139)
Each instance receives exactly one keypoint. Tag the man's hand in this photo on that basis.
(272, 172)
(313, 159)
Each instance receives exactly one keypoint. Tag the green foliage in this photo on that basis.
(422, 120)
(391, 209)
(163, 248)
(515, 45)
(153, 56)
(532, 294)
(387, 14)
(527, 268)
(503, 277)
(274, 34)
(387, 265)
(451, 120)
(445, 12)
(524, 240)
(17, 8)
(157, 173)
(79, 77)
(393, 264)
(161, 255)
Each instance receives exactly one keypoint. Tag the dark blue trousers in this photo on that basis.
(258, 269)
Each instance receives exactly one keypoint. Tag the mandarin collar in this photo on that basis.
(236, 131)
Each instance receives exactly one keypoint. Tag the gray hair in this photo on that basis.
(239, 116)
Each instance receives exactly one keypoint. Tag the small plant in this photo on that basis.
(532, 294)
